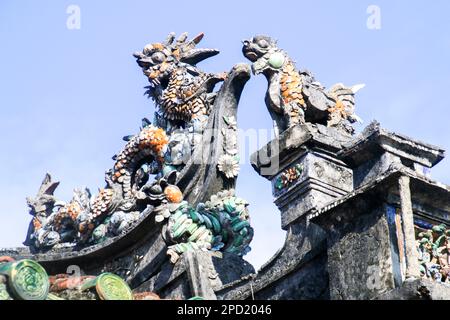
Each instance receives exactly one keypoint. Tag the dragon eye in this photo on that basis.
(263, 43)
(158, 57)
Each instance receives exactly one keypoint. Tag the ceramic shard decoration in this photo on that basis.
(363, 218)
(295, 97)
(220, 224)
(158, 166)
(433, 245)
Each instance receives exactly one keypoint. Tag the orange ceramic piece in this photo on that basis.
(6, 259)
(146, 296)
(173, 194)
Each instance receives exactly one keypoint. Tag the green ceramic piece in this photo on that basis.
(27, 279)
(276, 60)
(215, 223)
(239, 240)
(207, 221)
(112, 287)
(194, 215)
(179, 222)
(229, 205)
(192, 228)
(279, 183)
(109, 287)
(181, 230)
(238, 226)
(4, 295)
(167, 169)
(244, 232)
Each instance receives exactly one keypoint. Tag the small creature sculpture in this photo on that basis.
(41, 206)
(295, 97)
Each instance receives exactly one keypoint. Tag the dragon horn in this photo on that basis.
(357, 87)
(170, 38)
(191, 44)
(182, 38)
(198, 38)
(195, 56)
(48, 186)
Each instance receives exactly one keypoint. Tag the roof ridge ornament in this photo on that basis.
(294, 97)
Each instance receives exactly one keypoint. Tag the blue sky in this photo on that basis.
(68, 96)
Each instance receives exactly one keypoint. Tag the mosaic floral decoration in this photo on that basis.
(288, 176)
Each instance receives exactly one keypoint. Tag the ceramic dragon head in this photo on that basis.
(158, 60)
(264, 53)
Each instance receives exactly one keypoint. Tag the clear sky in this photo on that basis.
(68, 96)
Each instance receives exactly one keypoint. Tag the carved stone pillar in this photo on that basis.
(411, 254)
(304, 170)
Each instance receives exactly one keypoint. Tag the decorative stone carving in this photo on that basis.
(288, 176)
(433, 245)
(229, 161)
(348, 204)
(160, 156)
(295, 97)
(222, 223)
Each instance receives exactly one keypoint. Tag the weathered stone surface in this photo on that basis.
(201, 178)
(170, 282)
(407, 218)
(278, 153)
(323, 177)
(322, 180)
(359, 261)
(301, 259)
(310, 282)
(375, 139)
(370, 170)
(375, 150)
(198, 269)
(359, 234)
(418, 289)
(197, 274)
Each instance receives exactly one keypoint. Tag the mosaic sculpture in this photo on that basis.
(295, 97)
(152, 169)
(433, 245)
(181, 91)
(222, 223)
(288, 176)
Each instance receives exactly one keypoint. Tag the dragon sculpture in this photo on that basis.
(295, 97)
(145, 172)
